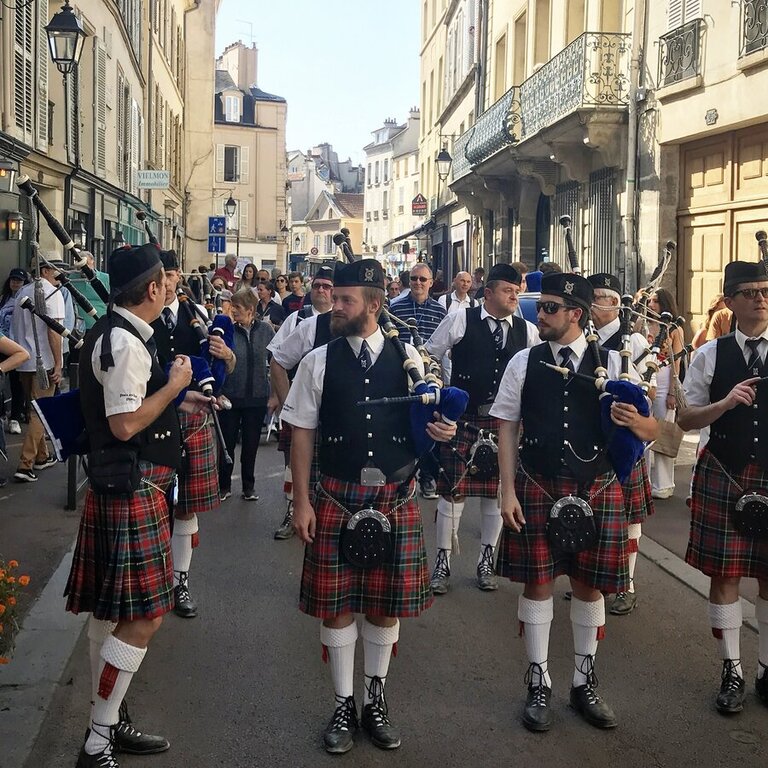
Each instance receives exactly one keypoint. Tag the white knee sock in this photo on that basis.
(726, 627)
(536, 618)
(98, 631)
(181, 546)
(119, 662)
(447, 526)
(586, 621)
(761, 613)
(490, 524)
(634, 532)
(377, 647)
(340, 645)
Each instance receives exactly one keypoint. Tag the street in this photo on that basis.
(244, 685)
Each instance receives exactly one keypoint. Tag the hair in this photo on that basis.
(245, 269)
(281, 276)
(584, 319)
(374, 294)
(420, 265)
(246, 299)
(135, 296)
(548, 267)
(479, 271)
(268, 285)
(5, 294)
(666, 301)
(520, 267)
(405, 276)
(712, 309)
(294, 275)
(230, 258)
(211, 266)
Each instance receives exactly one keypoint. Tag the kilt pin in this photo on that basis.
(122, 567)
(454, 456)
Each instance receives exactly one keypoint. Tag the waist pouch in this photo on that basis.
(113, 471)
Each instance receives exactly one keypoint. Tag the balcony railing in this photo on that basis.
(460, 165)
(494, 129)
(592, 72)
(754, 26)
(680, 52)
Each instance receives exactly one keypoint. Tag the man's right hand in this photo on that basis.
(743, 393)
(304, 521)
(180, 373)
(512, 513)
(273, 404)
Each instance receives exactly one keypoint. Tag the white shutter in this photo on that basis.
(245, 165)
(135, 146)
(72, 117)
(242, 207)
(120, 128)
(99, 106)
(42, 76)
(219, 163)
(675, 14)
(22, 71)
(692, 10)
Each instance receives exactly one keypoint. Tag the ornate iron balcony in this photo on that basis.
(754, 26)
(592, 72)
(680, 52)
(460, 165)
(494, 130)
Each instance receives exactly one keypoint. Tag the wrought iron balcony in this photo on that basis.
(494, 129)
(680, 52)
(754, 26)
(590, 73)
(460, 165)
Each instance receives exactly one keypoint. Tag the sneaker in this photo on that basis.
(183, 604)
(25, 476)
(585, 700)
(338, 736)
(14, 427)
(375, 719)
(286, 530)
(623, 603)
(429, 490)
(250, 495)
(537, 715)
(49, 462)
(441, 576)
(224, 495)
(486, 575)
(730, 699)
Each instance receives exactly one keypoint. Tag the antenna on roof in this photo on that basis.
(250, 27)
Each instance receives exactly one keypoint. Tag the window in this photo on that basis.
(232, 109)
(575, 20)
(369, 174)
(385, 201)
(679, 12)
(541, 43)
(500, 68)
(316, 242)
(23, 58)
(521, 24)
(376, 175)
(330, 246)
(231, 163)
(386, 171)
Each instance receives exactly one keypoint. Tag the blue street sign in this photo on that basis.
(217, 243)
(217, 225)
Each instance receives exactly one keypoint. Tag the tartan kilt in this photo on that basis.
(122, 567)
(715, 547)
(284, 438)
(330, 586)
(638, 502)
(453, 456)
(199, 479)
(527, 557)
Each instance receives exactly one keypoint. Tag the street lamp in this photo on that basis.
(14, 222)
(443, 164)
(7, 175)
(230, 208)
(79, 234)
(66, 37)
(297, 244)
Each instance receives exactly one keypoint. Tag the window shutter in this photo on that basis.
(245, 164)
(99, 106)
(120, 125)
(160, 128)
(135, 146)
(675, 14)
(692, 10)
(22, 71)
(72, 116)
(242, 206)
(42, 76)
(219, 163)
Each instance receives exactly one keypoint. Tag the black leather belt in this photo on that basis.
(401, 475)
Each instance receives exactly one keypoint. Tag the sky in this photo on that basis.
(342, 65)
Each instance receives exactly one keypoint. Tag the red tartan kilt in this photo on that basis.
(715, 547)
(526, 557)
(122, 567)
(453, 456)
(199, 480)
(638, 502)
(331, 587)
(284, 438)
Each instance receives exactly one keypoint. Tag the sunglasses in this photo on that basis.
(323, 286)
(751, 293)
(417, 279)
(550, 307)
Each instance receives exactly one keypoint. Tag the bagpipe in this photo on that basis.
(665, 259)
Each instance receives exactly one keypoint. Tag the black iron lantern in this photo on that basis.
(443, 164)
(66, 38)
(230, 206)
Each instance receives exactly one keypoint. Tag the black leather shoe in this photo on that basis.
(585, 700)
(761, 685)
(134, 742)
(537, 715)
(183, 604)
(338, 736)
(103, 759)
(375, 718)
(730, 700)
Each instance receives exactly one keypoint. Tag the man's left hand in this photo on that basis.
(439, 431)
(196, 402)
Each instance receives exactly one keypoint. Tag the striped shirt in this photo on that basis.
(427, 315)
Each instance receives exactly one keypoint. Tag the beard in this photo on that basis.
(348, 326)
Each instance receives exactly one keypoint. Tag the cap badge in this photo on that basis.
(368, 274)
(568, 288)
(607, 282)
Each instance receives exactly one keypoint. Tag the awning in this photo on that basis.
(427, 226)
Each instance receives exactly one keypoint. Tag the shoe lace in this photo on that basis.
(106, 758)
(288, 519)
(731, 678)
(587, 668)
(538, 689)
(621, 595)
(345, 715)
(378, 705)
(183, 590)
(442, 569)
(485, 566)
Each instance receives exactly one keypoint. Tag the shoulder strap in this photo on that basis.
(448, 300)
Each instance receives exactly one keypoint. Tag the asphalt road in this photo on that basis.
(243, 685)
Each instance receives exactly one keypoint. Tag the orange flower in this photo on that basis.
(2, 573)
(11, 601)
(2, 609)
(24, 580)
(10, 580)
(13, 564)
(4, 660)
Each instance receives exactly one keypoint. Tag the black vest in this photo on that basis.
(561, 420)
(351, 437)
(613, 342)
(476, 365)
(739, 436)
(160, 442)
(182, 340)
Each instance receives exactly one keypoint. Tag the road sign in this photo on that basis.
(153, 179)
(217, 243)
(419, 205)
(313, 251)
(217, 225)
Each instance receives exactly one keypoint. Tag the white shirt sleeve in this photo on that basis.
(302, 406)
(531, 334)
(506, 406)
(442, 300)
(125, 384)
(701, 371)
(449, 333)
(297, 344)
(282, 333)
(54, 305)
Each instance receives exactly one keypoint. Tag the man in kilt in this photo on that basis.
(282, 375)
(562, 454)
(122, 573)
(198, 477)
(367, 460)
(481, 341)
(725, 388)
(638, 502)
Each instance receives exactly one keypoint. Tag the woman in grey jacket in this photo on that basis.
(248, 389)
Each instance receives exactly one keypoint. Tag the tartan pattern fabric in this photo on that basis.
(638, 502)
(454, 454)
(715, 547)
(284, 444)
(527, 557)
(331, 587)
(284, 438)
(122, 566)
(199, 480)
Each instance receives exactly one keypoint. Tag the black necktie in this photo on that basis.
(754, 359)
(565, 358)
(364, 358)
(168, 318)
(498, 334)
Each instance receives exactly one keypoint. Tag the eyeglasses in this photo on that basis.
(323, 286)
(550, 307)
(418, 279)
(751, 293)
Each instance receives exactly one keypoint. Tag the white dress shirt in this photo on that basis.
(297, 344)
(456, 303)
(286, 329)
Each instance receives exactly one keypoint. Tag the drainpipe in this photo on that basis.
(631, 257)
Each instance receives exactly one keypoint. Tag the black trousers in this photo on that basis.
(248, 422)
